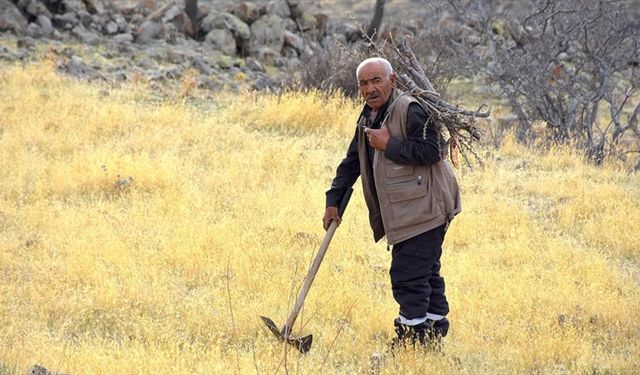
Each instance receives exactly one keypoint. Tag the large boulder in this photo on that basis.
(221, 40)
(246, 11)
(95, 6)
(239, 29)
(34, 8)
(179, 19)
(45, 24)
(267, 31)
(148, 30)
(278, 8)
(11, 19)
(74, 6)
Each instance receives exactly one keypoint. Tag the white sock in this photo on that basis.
(416, 321)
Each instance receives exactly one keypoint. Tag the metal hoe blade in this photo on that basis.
(303, 344)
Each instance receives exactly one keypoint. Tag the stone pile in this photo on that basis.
(158, 42)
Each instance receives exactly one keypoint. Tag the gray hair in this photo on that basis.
(388, 70)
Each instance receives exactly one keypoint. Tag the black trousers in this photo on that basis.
(415, 275)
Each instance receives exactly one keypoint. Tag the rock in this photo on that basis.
(289, 52)
(290, 25)
(85, 36)
(123, 25)
(267, 31)
(95, 6)
(209, 83)
(74, 6)
(254, 65)
(306, 22)
(147, 31)
(57, 35)
(45, 24)
(278, 8)
(202, 66)
(280, 62)
(266, 55)
(143, 8)
(174, 55)
(172, 72)
(262, 83)
(34, 8)
(11, 19)
(178, 18)
(170, 33)
(97, 22)
(221, 40)
(34, 30)
(238, 28)
(28, 43)
(77, 68)
(294, 40)
(123, 38)
(111, 28)
(246, 11)
(38, 370)
(224, 61)
(65, 21)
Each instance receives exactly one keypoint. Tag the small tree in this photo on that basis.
(571, 63)
(376, 21)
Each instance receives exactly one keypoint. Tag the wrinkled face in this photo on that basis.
(375, 85)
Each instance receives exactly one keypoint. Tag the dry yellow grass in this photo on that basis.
(168, 271)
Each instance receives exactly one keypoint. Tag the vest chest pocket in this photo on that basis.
(407, 189)
(392, 170)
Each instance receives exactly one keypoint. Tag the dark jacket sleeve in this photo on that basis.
(346, 174)
(420, 147)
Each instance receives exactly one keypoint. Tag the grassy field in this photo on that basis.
(147, 235)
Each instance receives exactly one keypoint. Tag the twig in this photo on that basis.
(255, 362)
(233, 323)
(336, 337)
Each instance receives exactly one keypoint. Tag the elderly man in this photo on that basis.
(411, 193)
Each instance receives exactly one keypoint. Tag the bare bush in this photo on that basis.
(573, 64)
(332, 67)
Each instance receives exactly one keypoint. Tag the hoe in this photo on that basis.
(303, 344)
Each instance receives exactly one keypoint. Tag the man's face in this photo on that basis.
(375, 85)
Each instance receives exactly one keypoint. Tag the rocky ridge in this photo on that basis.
(244, 44)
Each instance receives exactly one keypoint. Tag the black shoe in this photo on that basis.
(428, 334)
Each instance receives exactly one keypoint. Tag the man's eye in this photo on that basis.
(376, 80)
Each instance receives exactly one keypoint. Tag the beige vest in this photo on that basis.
(405, 200)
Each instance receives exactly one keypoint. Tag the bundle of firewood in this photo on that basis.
(460, 124)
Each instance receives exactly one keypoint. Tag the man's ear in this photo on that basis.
(393, 78)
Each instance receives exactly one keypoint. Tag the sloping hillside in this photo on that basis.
(147, 235)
